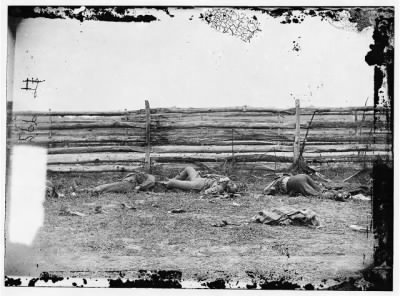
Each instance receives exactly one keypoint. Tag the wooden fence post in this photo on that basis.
(355, 120)
(50, 134)
(126, 129)
(296, 146)
(147, 156)
(233, 152)
(279, 128)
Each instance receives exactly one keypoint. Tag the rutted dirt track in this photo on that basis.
(123, 241)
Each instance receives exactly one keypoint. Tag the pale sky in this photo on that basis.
(95, 66)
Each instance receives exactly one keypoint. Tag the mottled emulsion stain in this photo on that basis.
(360, 17)
(232, 21)
(11, 282)
(150, 279)
(153, 280)
(109, 14)
(296, 47)
(217, 284)
(381, 56)
(281, 284)
(45, 276)
(32, 282)
(165, 9)
(354, 18)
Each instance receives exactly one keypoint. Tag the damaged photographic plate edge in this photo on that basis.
(383, 205)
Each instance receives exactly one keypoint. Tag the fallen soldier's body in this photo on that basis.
(302, 184)
(51, 189)
(189, 179)
(133, 182)
(292, 185)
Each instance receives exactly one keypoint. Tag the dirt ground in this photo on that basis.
(121, 241)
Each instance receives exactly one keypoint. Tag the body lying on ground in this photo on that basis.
(51, 189)
(190, 180)
(304, 185)
(133, 182)
(292, 185)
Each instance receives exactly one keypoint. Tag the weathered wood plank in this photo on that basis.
(83, 132)
(263, 125)
(72, 139)
(101, 149)
(201, 138)
(115, 124)
(190, 157)
(310, 148)
(221, 149)
(71, 113)
(237, 166)
(176, 117)
(93, 169)
(260, 109)
(169, 157)
(257, 168)
(20, 119)
(244, 109)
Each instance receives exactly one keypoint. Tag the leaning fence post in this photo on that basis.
(296, 146)
(147, 156)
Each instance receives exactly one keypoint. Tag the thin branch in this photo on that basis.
(305, 137)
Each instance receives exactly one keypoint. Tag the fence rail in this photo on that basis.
(259, 138)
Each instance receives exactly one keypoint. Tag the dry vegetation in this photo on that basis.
(125, 240)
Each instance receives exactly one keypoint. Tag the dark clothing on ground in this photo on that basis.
(303, 184)
(292, 185)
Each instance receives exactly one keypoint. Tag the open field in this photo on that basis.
(127, 240)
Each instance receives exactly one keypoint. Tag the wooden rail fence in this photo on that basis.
(246, 137)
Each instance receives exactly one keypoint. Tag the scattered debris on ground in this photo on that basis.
(206, 241)
(335, 195)
(220, 223)
(359, 228)
(98, 210)
(224, 223)
(127, 207)
(287, 216)
(176, 211)
(361, 196)
(65, 211)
